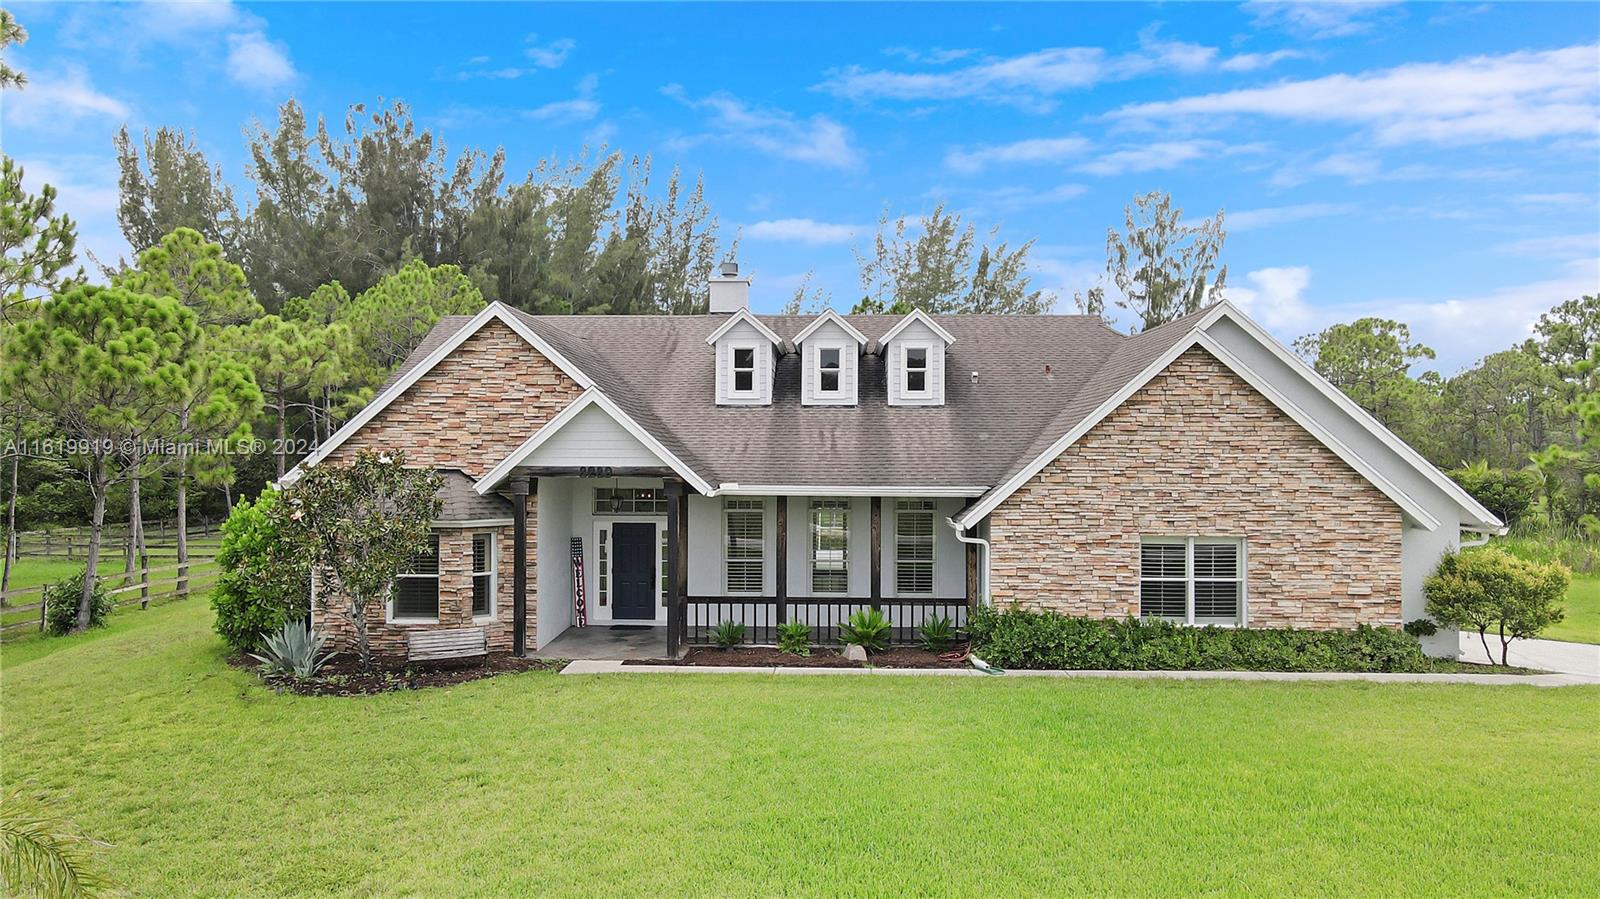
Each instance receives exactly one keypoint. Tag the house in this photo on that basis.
(680, 471)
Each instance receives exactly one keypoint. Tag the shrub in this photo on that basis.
(1508, 493)
(794, 638)
(937, 633)
(867, 628)
(263, 583)
(295, 650)
(1487, 589)
(1024, 639)
(728, 634)
(61, 605)
(1421, 627)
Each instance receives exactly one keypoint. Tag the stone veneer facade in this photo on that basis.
(1199, 452)
(468, 413)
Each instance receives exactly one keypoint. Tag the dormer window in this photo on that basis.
(828, 370)
(916, 371)
(744, 370)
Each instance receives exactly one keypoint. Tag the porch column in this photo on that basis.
(877, 550)
(782, 557)
(519, 564)
(676, 579)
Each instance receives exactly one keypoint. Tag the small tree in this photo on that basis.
(358, 526)
(264, 582)
(1506, 492)
(1492, 590)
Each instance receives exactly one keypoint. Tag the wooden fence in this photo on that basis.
(73, 543)
(139, 587)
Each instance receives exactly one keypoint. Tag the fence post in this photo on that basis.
(44, 593)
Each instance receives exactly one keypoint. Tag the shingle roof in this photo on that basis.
(462, 503)
(1013, 385)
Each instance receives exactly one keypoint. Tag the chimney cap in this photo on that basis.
(729, 269)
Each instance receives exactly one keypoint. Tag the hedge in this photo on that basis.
(1023, 639)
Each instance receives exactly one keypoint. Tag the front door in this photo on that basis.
(633, 570)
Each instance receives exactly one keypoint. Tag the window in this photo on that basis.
(1195, 580)
(829, 358)
(416, 589)
(916, 369)
(913, 547)
(629, 501)
(744, 369)
(483, 575)
(602, 567)
(830, 546)
(745, 549)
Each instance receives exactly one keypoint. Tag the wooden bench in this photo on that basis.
(456, 643)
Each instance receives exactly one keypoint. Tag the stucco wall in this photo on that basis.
(1199, 452)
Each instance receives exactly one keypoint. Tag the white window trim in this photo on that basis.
(933, 548)
(1189, 579)
(762, 512)
(812, 544)
(389, 616)
(926, 393)
(493, 558)
(733, 371)
(815, 352)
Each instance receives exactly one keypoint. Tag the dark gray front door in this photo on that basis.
(633, 570)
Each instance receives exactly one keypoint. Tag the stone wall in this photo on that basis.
(1199, 452)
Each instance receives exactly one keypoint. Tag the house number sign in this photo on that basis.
(596, 471)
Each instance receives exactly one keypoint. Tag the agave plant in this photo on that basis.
(728, 634)
(868, 629)
(295, 650)
(42, 855)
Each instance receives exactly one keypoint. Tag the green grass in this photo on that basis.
(1582, 624)
(205, 782)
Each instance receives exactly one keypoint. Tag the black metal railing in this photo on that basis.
(761, 615)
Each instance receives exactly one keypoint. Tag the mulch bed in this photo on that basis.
(769, 657)
(342, 676)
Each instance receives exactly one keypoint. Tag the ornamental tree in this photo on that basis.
(1490, 589)
(357, 526)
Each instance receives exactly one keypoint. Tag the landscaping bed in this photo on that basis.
(771, 657)
(342, 676)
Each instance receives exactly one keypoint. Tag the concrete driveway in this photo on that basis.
(1545, 655)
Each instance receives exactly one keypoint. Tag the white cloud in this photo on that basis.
(581, 108)
(1031, 80)
(807, 231)
(1556, 246)
(1044, 149)
(936, 56)
(58, 99)
(86, 189)
(818, 139)
(1319, 20)
(1152, 157)
(259, 63)
(1272, 216)
(552, 55)
(1514, 96)
(1557, 199)
(1250, 62)
(1276, 298)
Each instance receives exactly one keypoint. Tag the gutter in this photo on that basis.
(983, 569)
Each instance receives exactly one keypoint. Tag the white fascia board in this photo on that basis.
(590, 397)
(495, 311)
(1472, 507)
(744, 315)
(844, 490)
(917, 315)
(447, 524)
(1197, 337)
(831, 316)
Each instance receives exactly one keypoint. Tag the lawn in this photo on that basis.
(1582, 623)
(205, 782)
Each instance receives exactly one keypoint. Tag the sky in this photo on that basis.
(1433, 163)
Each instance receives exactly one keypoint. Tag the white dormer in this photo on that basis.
(744, 350)
(830, 356)
(913, 353)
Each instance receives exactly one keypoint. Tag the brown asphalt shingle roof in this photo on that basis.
(1036, 377)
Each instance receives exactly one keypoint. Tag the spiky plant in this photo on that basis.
(294, 650)
(794, 638)
(41, 854)
(868, 629)
(728, 634)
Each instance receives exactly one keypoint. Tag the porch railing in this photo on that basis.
(761, 615)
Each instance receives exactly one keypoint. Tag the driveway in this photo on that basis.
(1546, 655)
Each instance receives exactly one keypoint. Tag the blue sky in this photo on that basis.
(1435, 163)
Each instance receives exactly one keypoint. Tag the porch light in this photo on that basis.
(616, 497)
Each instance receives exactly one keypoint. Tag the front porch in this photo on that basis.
(606, 641)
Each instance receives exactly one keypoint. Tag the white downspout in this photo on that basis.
(983, 570)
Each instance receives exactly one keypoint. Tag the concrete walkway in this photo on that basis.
(604, 641)
(596, 666)
(1545, 655)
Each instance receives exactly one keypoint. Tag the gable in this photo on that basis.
(593, 437)
(438, 420)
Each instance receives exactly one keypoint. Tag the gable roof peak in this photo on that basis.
(828, 315)
(744, 315)
(917, 315)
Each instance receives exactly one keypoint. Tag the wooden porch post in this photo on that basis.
(675, 566)
(519, 564)
(782, 558)
(877, 550)
(972, 573)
